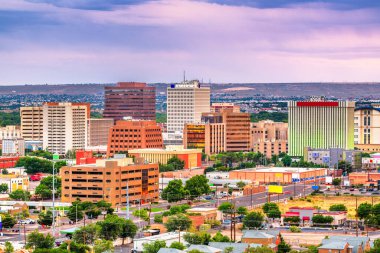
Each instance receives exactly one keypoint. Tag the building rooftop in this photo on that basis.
(237, 247)
(279, 169)
(260, 234)
(202, 209)
(339, 245)
(163, 237)
(204, 248)
(170, 250)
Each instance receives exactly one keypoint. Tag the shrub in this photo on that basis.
(294, 229)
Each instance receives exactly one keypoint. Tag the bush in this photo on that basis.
(158, 218)
(294, 229)
(338, 207)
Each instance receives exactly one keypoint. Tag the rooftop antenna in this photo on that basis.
(184, 76)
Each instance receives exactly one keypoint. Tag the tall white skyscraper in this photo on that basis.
(185, 104)
(65, 126)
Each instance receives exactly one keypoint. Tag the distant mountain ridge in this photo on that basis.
(338, 90)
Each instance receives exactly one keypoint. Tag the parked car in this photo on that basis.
(27, 221)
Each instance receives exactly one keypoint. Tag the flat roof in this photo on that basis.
(165, 151)
(280, 169)
(35, 203)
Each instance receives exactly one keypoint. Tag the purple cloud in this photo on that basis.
(155, 41)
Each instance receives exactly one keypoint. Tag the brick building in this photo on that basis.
(108, 179)
(130, 99)
(133, 134)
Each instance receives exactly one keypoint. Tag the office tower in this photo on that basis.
(31, 123)
(130, 99)
(65, 126)
(133, 134)
(10, 132)
(98, 130)
(269, 138)
(367, 128)
(107, 180)
(320, 124)
(226, 131)
(218, 107)
(13, 147)
(185, 104)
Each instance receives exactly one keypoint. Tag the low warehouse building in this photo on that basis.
(282, 175)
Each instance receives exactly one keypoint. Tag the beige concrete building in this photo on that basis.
(318, 123)
(31, 123)
(191, 157)
(108, 180)
(15, 182)
(219, 107)
(65, 126)
(98, 130)
(185, 104)
(269, 137)
(10, 132)
(13, 147)
(367, 128)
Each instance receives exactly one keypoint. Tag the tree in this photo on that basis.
(45, 218)
(71, 247)
(338, 207)
(75, 212)
(177, 245)
(219, 237)
(3, 188)
(20, 195)
(263, 249)
(272, 210)
(158, 218)
(177, 163)
(153, 247)
(5, 172)
(197, 238)
(336, 182)
(242, 210)
(226, 207)
(38, 240)
(8, 247)
(43, 191)
(320, 219)
(178, 222)
(241, 184)
(228, 250)
(142, 213)
(174, 191)
(110, 227)
(286, 160)
(104, 206)
(197, 186)
(102, 246)
(253, 220)
(87, 234)
(8, 221)
(364, 210)
(45, 188)
(194, 251)
(283, 247)
(128, 229)
(345, 166)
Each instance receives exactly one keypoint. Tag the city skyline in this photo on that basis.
(43, 41)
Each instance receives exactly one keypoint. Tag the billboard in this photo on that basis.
(328, 180)
(275, 189)
(346, 183)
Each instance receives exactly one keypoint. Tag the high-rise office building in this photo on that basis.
(108, 180)
(269, 138)
(320, 124)
(367, 128)
(65, 126)
(185, 104)
(133, 134)
(130, 99)
(13, 147)
(31, 123)
(98, 130)
(10, 132)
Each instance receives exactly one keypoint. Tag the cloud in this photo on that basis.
(81, 41)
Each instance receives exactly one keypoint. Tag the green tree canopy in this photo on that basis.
(197, 186)
(8, 247)
(272, 210)
(110, 227)
(178, 222)
(197, 238)
(45, 218)
(226, 207)
(8, 221)
(3, 188)
(153, 247)
(37, 240)
(20, 195)
(253, 220)
(174, 191)
(321, 219)
(338, 207)
(177, 245)
(219, 237)
(102, 246)
(364, 210)
(242, 210)
(128, 229)
(87, 234)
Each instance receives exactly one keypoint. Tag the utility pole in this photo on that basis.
(55, 157)
(127, 189)
(357, 225)
(251, 196)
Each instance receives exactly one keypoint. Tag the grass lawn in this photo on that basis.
(156, 209)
